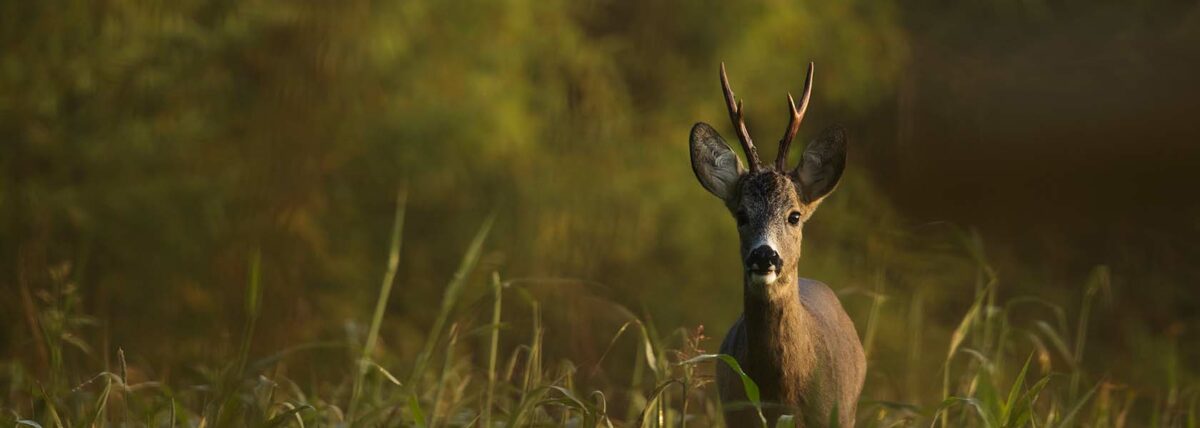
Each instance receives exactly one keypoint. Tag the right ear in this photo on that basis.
(821, 166)
(715, 164)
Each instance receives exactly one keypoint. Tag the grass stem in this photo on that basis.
(385, 291)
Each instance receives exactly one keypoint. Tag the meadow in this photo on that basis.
(489, 366)
(482, 213)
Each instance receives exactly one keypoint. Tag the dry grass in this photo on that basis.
(995, 372)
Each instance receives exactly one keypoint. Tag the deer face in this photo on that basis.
(770, 219)
(769, 205)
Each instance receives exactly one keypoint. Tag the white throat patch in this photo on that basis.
(763, 279)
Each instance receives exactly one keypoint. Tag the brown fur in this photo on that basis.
(793, 337)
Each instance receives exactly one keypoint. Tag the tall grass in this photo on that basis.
(1002, 368)
(385, 292)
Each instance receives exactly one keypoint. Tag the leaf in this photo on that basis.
(386, 373)
(748, 384)
(1006, 411)
(658, 391)
(449, 298)
(986, 395)
(50, 407)
(77, 343)
(102, 401)
(1059, 344)
(1029, 397)
(975, 404)
(960, 333)
(1070, 416)
(613, 342)
(984, 361)
(282, 418)
(414, 407)
(385, 290)
(575, 402)
(651, 359)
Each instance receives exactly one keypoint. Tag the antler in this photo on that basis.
(794, 122)
(739, 124)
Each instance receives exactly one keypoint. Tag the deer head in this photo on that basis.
(769, 204)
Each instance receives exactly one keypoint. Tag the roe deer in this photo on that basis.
(793, 337)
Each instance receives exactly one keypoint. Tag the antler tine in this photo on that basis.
(739, 123)
(794, 122)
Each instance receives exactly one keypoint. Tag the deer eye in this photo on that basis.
(794, 218)
(742, 219)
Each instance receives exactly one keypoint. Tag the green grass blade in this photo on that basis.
(101, 402)
(570, 400)
(655, 398)
(418, 415)
(497, 288)
(648, 343)
(1059, 344)
(964, 327)
(447, 366)
(956, 340)
(519, 416)
(1069, 417)
(1100, 280)
(450, 297)
(748, 384)
(1191, 417)
(389, 278)
(50, 406)
(974, 404)
(385, 291)
(1027, 399)
(877, 300)
(253, 303)
(1014, 393)
(282, 418)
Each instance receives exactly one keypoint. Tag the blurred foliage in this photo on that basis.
(156, 145)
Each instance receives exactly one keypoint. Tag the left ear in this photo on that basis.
(821, 165)
(714, 163)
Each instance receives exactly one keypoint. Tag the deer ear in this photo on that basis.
(821, 165)
(715, 164)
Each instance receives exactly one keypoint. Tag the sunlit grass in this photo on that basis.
(995, 372)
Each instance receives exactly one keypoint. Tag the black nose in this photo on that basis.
(763, 259)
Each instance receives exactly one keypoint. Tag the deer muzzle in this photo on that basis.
(763, 264)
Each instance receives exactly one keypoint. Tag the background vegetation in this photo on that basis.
(198, 199)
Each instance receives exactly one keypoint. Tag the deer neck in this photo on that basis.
(778, 338)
